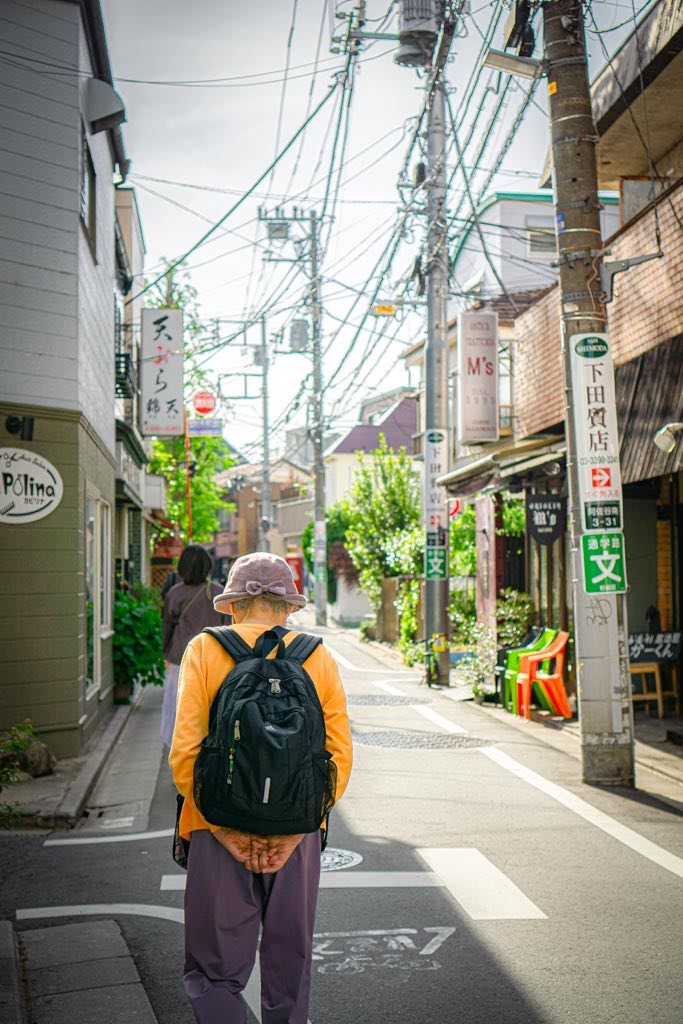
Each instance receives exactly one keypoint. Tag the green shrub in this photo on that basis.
(514, 615)
(367, 630)
(137, 647)
(12, 742)
(463, 615)
(477, 670)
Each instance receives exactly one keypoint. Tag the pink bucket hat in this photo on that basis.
(256, 574)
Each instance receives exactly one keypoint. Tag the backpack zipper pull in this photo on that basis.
(237, 730)
(231, 765)
(275, 686)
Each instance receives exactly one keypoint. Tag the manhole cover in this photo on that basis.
(407, 739)
(337, 860)
(374, 700)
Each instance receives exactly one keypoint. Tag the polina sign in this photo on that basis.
(30, 486)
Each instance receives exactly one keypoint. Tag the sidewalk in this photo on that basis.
(71, 972)
(58, 800)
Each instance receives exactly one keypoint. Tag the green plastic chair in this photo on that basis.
(512, 668)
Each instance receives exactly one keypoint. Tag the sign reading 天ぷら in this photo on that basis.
(30, 486)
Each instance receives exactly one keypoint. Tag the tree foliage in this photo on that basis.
(463, 543)
(339, 563)
(384, 503)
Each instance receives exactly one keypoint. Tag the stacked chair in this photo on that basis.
(535, 667)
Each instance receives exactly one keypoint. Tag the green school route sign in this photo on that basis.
(604, 565)
(436, 563)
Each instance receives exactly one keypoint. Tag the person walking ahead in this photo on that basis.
(188, 607)
(239, 881)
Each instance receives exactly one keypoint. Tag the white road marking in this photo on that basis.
(388, 688)
(479, 886)
(344, 662)
(87, 910)
(434, 716)
(622, 833)
(344, 880)
(118, 823)
(163, 833)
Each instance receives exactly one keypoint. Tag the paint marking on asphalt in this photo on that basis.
(162, 833)
(388, 688)
(433, 716)
(88, 910)
(479, 886)
(344, 662)
(622, 833)
(346, 880)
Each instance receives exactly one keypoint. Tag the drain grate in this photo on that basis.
(373, 700)
(407, 739)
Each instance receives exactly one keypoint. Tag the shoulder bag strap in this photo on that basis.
(232, 642)
(302, 647)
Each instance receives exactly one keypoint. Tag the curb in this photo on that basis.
(70, 809)
(11, 1002)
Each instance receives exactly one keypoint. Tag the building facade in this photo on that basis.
(61, 147)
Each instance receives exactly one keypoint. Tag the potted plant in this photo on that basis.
(137, 646)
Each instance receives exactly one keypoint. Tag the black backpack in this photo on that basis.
(263, 767)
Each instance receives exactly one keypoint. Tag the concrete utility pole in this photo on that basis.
(595, 497)
(319, 526)
(435, 438)
(266, 512)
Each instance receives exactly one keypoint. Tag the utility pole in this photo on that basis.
(319, 526)
(595, 497)
(266, 512)
(435, 438)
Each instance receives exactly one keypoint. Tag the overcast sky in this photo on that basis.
(186, 140)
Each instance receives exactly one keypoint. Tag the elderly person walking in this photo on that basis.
(238, 882)
(188, 607)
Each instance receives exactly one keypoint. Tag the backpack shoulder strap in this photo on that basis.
(302, 647)
(232, 642)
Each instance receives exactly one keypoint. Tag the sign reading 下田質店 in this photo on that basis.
(161, 375)
(545, 517)
(477, 376)
(597, 438)
(30, 486)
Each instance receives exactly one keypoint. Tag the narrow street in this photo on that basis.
(472, 878)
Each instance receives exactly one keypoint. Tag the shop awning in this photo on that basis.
(649, 395)
(483, 471)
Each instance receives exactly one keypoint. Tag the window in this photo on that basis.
(540, 233)
(88, 191)
(98, 607)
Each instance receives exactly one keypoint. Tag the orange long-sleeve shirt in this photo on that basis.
(204, 666)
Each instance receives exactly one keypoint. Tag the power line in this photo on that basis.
(243, 198)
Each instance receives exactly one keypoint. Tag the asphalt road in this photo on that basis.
(498, 889)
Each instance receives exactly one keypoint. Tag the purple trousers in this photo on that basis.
(225, 905)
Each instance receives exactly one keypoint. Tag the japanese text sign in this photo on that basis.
(595, 427)
(161, 375)
(643, 647)
(477, 402)
(604, 563)
(435, 508)
(545, 517)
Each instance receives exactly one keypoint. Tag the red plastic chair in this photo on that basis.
(530, 672)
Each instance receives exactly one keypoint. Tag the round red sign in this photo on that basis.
(204, 402)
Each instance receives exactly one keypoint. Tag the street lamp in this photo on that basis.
(665, 438)
(525, 67)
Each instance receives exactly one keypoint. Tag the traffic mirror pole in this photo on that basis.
(593, 470)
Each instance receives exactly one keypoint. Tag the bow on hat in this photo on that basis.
(254, 588)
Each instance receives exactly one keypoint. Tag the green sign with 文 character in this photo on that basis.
(604, 564)
(436, 563)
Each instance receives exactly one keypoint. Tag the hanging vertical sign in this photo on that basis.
(436, 548)
(595, 429)
(161, 373)
(477, 410)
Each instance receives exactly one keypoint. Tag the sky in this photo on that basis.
(198, 144)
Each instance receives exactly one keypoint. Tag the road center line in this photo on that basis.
(612, 827)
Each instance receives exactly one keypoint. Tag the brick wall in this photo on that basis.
(647, 309)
